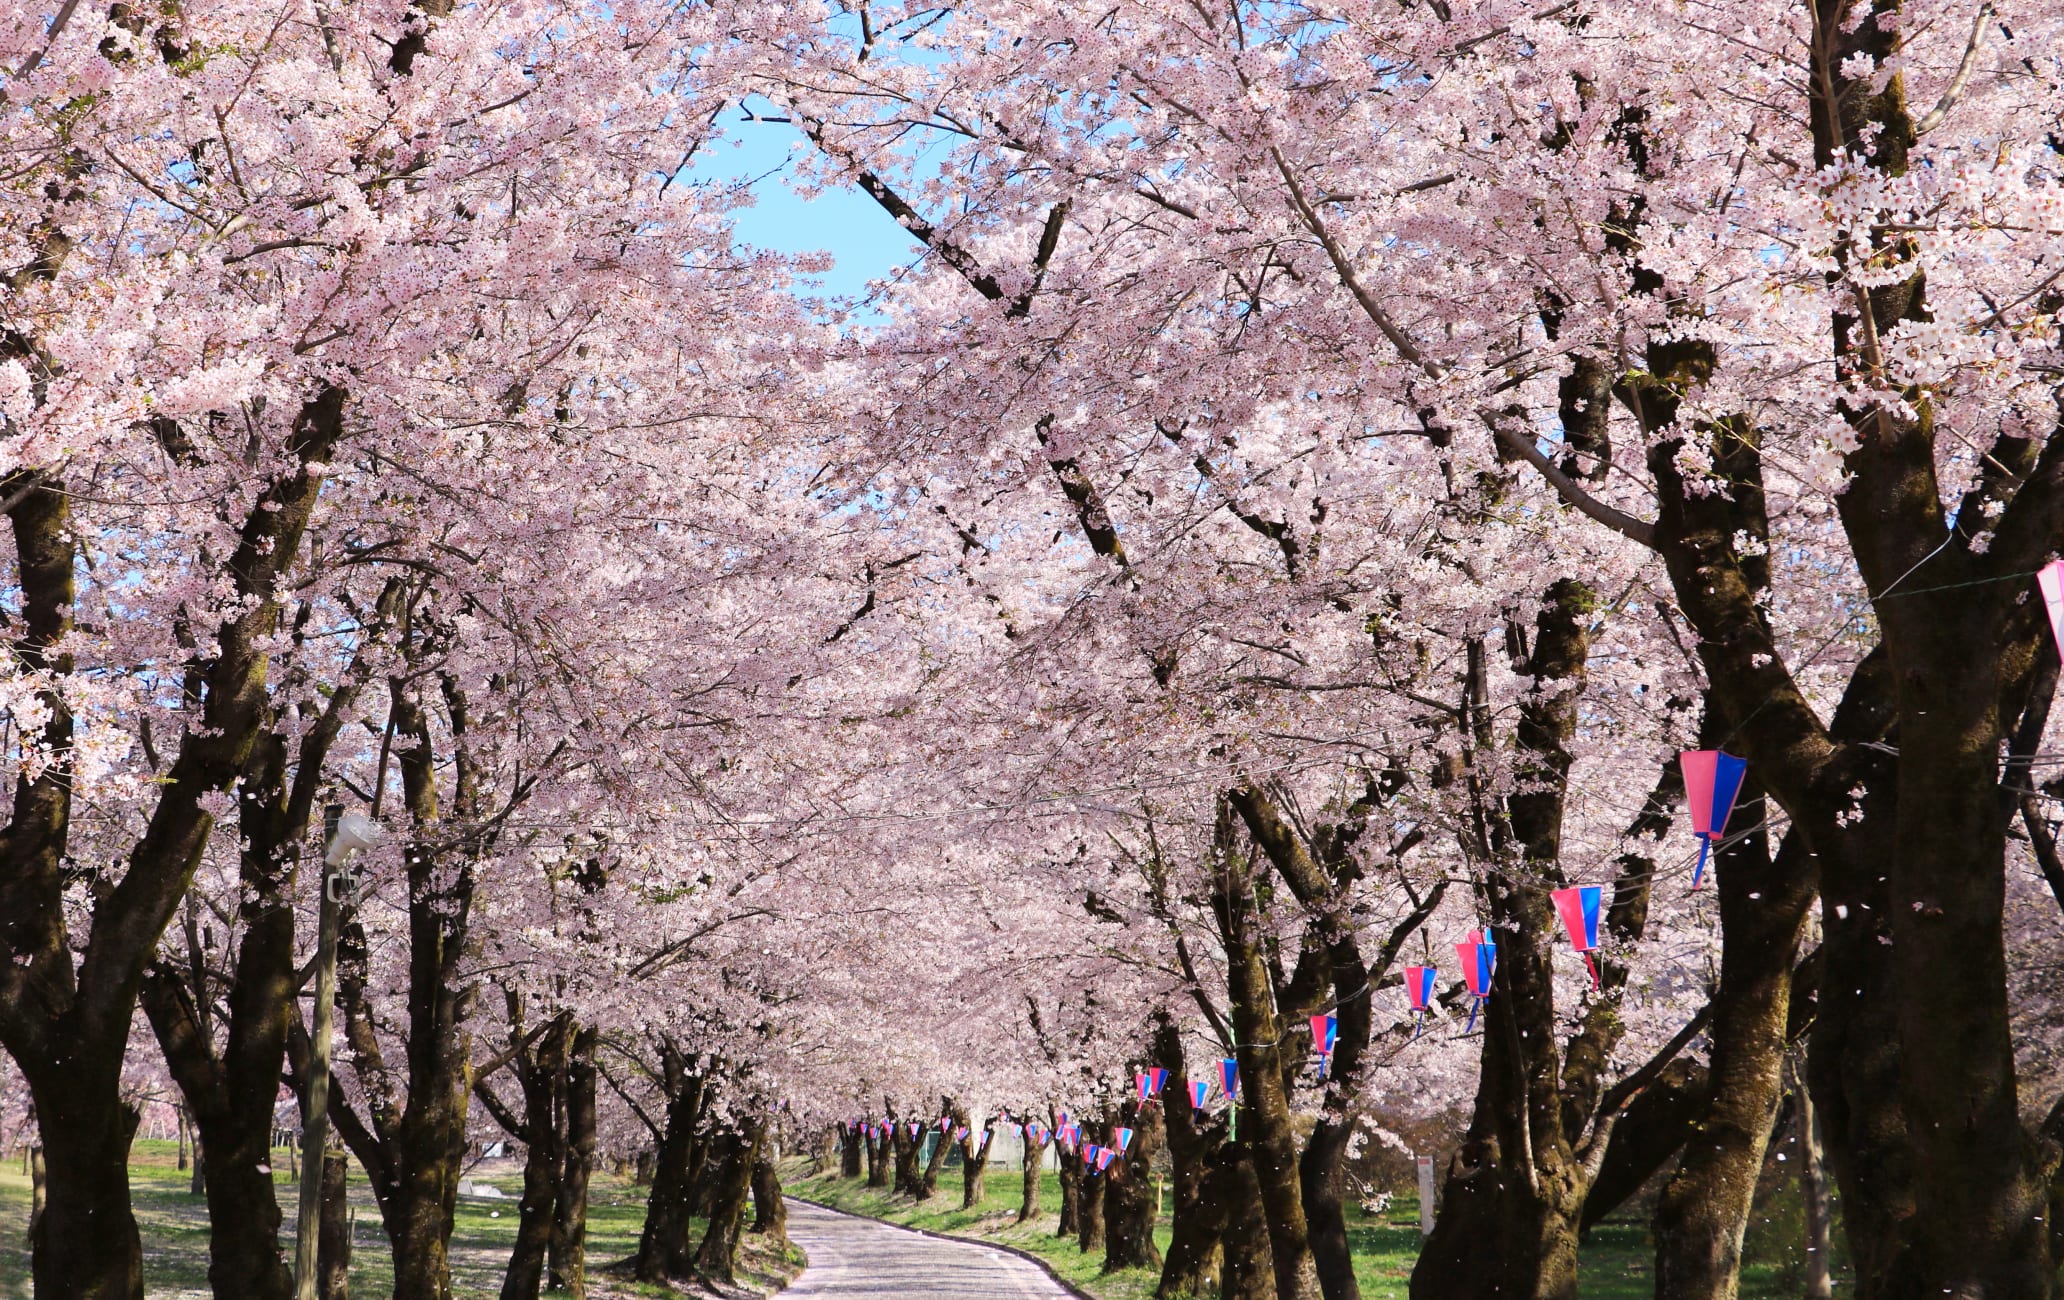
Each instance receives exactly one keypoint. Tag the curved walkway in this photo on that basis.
(851, 1256)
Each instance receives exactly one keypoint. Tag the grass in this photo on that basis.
(174, 1225)
(1617, 1258)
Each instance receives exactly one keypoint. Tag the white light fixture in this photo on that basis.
(355, 831)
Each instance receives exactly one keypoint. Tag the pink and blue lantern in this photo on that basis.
(1479, 957)
(1150, 1083)
(2051, 579)
(1124, 1136)
(1712, 779)
(1419, 989)
(1229, 1079)
(1200, 1091)
(1579, 907)
(1104, 1156)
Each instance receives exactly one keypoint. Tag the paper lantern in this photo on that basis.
(1479, 957)
(1712, 778)
(1150, 1083)
(1229, 1079)
(1579, 907)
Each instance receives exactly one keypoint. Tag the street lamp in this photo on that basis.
(345, 834)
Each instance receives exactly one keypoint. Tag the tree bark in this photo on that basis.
(1704, 1210)
(663, 1250)
(1813, 1193)
(33, 1159)
(1196, 1251)
(852, 1143)
(736, 1152)
(1249, 1272)
(1089, 1225)
(1264, 1120)
(536, 1070)
(770, 1212)
(907, 1149)
(928, 1183)
(973, 1165)
(95, 1160)
(1132, 1202)
(569, 1263)
(1069, 1222)
(880, 1158)
(333, 1243)
(1035, 1157)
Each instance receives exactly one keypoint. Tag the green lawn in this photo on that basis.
(175, 1230)
(1617, 1259)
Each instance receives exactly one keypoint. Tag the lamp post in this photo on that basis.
(344, 834)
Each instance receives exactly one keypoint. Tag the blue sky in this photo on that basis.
(842, 222)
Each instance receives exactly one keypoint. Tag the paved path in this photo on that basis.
(861, 1257)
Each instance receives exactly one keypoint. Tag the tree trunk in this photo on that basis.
(663, 1249)
(717, 1259)
(1704, 1209)
(1197, 1220)
(544, 1156)
(1514, 1193)
(1032, 1175)
(1089, 1227)
(770, 1212)
(1196, 1251)
(1069, 1223)
(333, 1239)
(1264, 1121)
(929, 1183)
(880, 1159)
(1249, 1272)
(86, 1245)
(1813, 1191)
(1132, 1201)
(908, 1149)
(852, 1143)
(569, 1263)
(33, 1158)
(232, 1097)
(973, 1165)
